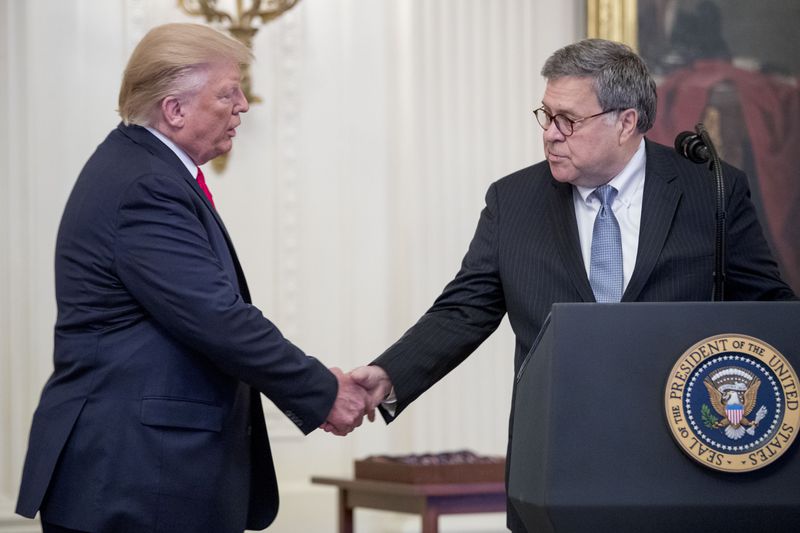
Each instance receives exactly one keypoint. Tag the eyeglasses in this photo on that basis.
(564, 124)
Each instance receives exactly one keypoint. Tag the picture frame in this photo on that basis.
(732, 66)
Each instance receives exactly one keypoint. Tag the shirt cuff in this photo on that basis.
(390, 403)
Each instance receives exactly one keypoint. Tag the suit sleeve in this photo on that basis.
(752, 273)
(164, 259)
(469, 310)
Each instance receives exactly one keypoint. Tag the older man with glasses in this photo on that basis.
(608, 217)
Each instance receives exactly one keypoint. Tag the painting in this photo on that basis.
(732, 65)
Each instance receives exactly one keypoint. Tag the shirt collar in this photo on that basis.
(185, 159)
(629, 181)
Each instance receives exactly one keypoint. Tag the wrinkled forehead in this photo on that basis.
(570, 94)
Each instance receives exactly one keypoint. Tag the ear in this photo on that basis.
(172, 112)
(627, 120)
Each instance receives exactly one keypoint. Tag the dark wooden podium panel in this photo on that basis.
(591, 448)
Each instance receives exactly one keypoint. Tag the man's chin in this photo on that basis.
(559, 175)
(222, 149)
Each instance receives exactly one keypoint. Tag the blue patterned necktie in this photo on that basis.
(605, 268)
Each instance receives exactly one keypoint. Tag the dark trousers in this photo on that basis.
(52, 528)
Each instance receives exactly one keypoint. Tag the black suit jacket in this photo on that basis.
(525, 256)
(152, 419)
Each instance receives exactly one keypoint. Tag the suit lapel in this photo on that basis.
(144, 138)
(659, 204)
(565, 232)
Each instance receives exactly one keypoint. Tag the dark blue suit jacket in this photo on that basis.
(152, 419)
(526, 255)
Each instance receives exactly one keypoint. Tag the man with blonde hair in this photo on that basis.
(152, 419)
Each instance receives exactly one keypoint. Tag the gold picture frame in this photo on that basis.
(748, 76)
(612, 19)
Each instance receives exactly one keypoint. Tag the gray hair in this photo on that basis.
(621, 79)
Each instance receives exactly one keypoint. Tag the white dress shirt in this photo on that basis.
(185, 159)
(627, 209)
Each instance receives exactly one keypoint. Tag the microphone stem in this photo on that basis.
(721, 215)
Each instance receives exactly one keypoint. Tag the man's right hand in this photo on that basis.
(349, 408)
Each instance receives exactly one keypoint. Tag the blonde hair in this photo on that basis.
(171, 60)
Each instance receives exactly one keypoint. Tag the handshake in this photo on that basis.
(360, 393)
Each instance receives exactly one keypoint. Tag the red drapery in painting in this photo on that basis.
(770, 108)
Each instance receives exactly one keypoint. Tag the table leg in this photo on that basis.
(345, 513)
(430, 520)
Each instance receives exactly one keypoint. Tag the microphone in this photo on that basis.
(691, 146)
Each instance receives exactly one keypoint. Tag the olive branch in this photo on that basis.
(709, 420)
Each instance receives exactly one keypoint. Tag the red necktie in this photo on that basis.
(201, 181)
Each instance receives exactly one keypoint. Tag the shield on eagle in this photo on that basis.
(734, 413)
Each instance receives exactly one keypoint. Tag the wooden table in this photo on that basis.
(426, 500)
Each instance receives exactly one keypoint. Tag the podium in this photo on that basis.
(591, 447)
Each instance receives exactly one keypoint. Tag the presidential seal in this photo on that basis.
(732, 403)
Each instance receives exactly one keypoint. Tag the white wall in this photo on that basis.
(351, 193)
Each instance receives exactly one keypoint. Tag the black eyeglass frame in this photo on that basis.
(554, 118)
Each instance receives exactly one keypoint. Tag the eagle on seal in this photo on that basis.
(734, 403)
